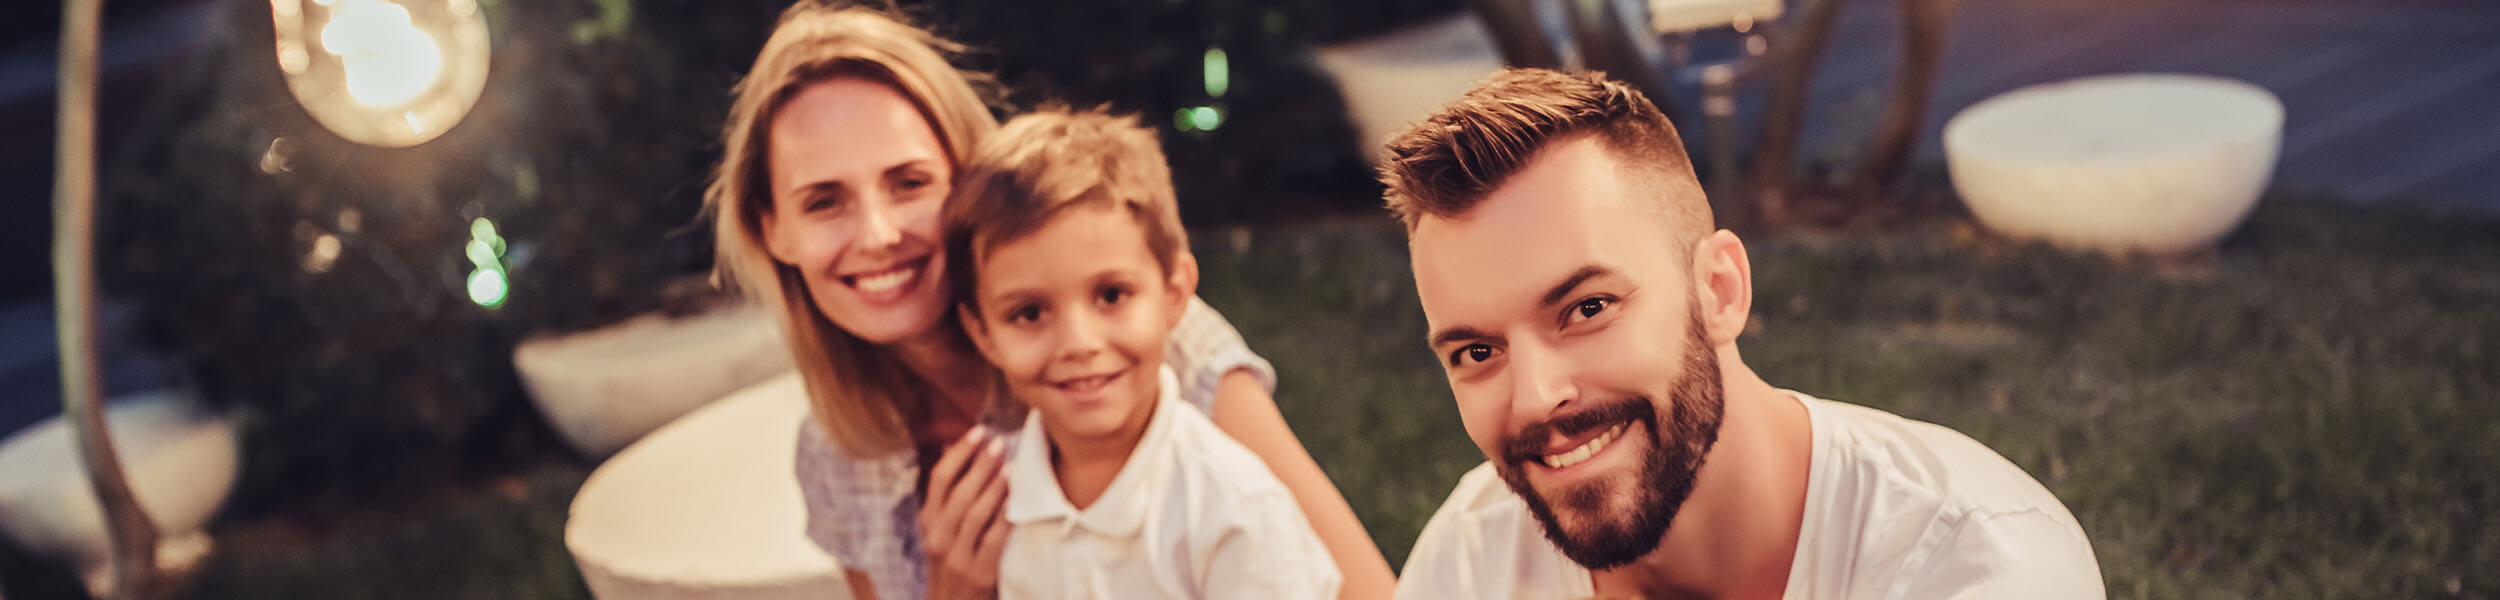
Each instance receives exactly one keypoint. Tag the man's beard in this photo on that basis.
(1663, 479)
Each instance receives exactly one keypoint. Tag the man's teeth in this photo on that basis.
(1582, 453)
(887, 281)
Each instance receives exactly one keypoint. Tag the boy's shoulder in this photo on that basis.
(1206, 462)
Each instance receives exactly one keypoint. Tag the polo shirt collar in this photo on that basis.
(1034, 494)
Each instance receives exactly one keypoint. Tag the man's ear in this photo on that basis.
(1184, 285)
(1722, 285)
(975, 329)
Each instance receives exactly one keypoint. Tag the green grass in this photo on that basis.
(2312, 413)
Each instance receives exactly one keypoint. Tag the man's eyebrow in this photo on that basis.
(1563, 288)
(1456, 334)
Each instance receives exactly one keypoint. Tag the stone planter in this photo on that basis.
(180, 461)
(604, 388)
(706, 507)
(1395, 80)
(2143, 163)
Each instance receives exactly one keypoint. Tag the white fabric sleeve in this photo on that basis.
(1267, 550)
(1203, 348)
(2024, 554)
(1432, 570)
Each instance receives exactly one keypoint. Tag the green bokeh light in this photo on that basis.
(487, 287)
(1219, 73)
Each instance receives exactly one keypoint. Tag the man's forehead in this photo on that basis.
(1555, 217)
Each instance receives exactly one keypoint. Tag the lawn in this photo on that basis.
(2314, 411)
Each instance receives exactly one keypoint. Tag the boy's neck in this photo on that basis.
(1086, 465)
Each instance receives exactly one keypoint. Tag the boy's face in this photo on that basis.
(1074, 316)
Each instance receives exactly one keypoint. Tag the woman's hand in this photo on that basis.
(962, 526)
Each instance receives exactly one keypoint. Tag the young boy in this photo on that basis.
(1070, 267)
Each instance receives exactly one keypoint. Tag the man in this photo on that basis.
(1587, 313)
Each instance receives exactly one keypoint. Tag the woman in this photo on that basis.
(840, 148)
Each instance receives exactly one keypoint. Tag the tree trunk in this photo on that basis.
(1783, 113)
(73, 274)
(1923, 24)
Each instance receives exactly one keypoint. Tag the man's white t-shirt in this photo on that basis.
(1895, 509)
(1193, 514)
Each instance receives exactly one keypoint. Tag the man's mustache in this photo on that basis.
(1528, 444)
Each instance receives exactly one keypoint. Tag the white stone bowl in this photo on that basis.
(2155, 164)
(180, 462)
(706, 507)
(604, 388)
(1395, 80)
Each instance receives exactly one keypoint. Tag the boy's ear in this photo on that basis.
(1184, 285)
(975, 329)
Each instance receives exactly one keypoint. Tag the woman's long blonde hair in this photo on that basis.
(858, 391)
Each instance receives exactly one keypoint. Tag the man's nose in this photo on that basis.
(1540, 380)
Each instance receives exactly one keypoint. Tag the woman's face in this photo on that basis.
(857, 180)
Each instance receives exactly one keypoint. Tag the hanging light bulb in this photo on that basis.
(390, 73)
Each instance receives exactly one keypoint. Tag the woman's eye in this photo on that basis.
(1588, 309)
(1473, 353)
(820, 204)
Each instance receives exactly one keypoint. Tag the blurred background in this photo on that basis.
(2291, 388)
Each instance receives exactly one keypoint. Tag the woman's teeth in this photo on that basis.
(885, 281)
(1577, 455)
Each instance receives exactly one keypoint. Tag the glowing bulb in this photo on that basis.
(389, 61)
(389, 73)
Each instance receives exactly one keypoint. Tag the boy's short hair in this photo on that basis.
(1041, 164)
(1444, 165)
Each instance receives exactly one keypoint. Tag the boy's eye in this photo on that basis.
(1587, 309)
(1472, 353)
(1111, 294)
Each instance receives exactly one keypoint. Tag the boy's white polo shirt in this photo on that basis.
(1192, 514)
(1895, 509)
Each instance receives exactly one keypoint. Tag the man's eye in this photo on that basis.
(1587, 309)
(1473, 353)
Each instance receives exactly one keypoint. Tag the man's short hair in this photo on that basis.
(1044, 163)
(1443, 166)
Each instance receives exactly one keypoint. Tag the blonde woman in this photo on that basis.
(840, 148)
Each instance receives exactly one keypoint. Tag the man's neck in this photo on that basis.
(1723, 543)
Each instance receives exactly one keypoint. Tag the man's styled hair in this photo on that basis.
(1044, 163)
(1443, 166)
